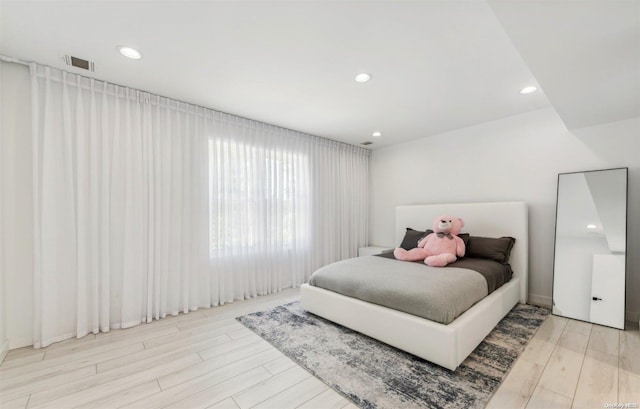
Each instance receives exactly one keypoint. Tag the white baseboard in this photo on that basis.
(541, 300)
(20, 343)
(4, 350)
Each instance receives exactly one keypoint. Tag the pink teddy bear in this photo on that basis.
(439, 248)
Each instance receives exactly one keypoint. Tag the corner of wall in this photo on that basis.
(4, 350)
(540, 300)
(16, 258)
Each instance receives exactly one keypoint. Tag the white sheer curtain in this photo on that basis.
(121, 206)
(146, 206)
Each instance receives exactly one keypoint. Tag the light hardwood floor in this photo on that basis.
(206, 359)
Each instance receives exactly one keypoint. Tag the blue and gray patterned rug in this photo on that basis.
(375, 375)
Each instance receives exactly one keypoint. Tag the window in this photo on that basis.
(259, 199)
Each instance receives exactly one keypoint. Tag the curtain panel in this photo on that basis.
(147, 206)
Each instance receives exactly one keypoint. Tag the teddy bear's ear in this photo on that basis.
(461, 222)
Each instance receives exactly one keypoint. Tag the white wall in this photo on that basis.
(17, 204)
(4, 343)
(516, 158)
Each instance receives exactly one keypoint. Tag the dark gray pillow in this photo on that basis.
(412, 237)
(490, 248)
(465, 238)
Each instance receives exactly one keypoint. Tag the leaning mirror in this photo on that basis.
(590, 246)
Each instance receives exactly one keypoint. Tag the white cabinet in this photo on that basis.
(607, 303)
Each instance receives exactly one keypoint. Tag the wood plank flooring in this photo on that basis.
(206, 359)
(574, 364)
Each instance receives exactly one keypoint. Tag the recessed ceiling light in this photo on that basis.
(363, 77)
(591, 226)
(130, 52)
(376, 134)
(528, 90)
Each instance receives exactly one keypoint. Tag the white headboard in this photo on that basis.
(480, 219)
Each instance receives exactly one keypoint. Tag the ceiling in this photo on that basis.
(436, 66)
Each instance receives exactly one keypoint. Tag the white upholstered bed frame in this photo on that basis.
(445, 345)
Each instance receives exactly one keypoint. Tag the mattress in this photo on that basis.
(438, 294)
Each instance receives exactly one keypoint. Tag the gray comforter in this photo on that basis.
(437, 294)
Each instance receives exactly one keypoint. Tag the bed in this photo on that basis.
(444, 344)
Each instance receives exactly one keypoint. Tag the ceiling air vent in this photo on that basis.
(78, 62)
(367, 143)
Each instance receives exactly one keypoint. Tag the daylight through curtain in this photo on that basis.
(282, 204)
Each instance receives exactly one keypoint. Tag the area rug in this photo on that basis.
(375, 375)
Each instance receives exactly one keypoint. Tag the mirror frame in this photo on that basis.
(626, 244)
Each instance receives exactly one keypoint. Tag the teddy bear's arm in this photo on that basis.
(460, 247)
(423, 240)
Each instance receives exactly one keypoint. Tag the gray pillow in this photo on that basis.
(490, 248)
(465, 238)
(412, 237)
